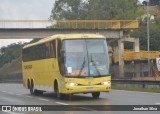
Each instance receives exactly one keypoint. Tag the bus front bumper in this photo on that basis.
(87, 89)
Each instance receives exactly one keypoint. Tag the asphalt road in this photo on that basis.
(15, 94)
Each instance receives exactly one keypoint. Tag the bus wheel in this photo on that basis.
(31, 88)
(96, 95)
(38, 92)
(62, 96)
(56, 90)
(69, 96)
(28, 84)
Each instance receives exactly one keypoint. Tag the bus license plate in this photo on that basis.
(89, 88)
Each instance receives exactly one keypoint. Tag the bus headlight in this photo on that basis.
(71, 84)
(106, 82)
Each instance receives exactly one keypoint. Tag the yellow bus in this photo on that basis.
(67, 64)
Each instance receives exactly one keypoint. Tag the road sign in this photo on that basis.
(158, 63)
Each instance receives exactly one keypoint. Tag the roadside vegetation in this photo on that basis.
(132, 88)
(13, 67)
(11, 58)
(10, 52)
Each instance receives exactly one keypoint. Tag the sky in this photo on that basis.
(24, 10)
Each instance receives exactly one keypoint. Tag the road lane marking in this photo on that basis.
(18, 94)
(6, 85)
(29, 96)
(9, 112)
(62, 103)
(87, 109)
(11, 93)
(43, 99)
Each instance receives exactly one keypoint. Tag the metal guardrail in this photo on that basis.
(11, 78)
(142, 55)
(143, 83)
(70, 24)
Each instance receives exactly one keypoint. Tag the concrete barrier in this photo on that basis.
(137, 83)
(11, 78)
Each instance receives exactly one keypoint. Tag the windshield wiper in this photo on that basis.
(94, 64)
(82, 67)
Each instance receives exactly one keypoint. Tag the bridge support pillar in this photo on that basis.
(136, 44)
(121, 57)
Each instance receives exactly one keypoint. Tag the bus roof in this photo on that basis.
(64, 36)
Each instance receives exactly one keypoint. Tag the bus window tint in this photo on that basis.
(40, 51)
(75, 58)
(98, 57)
(86, 57)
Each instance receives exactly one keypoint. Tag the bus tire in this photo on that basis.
(62, 96)
(68, 96)
(38, 92)
(96, 94)
(28, 84)
(56, 90)
(31, 88)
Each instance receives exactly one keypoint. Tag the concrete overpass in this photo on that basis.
(43, 28)
(116, 31)
(26, 33)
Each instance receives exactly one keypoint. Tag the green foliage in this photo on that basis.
(68, 9)
(95, 9)
(9, 53)
(151, 2)
(115, 9)
(154, 36)
(12, 68)
(154, 2)
(12, 52)
(132, 88)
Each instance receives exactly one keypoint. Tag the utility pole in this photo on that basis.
(148, 37)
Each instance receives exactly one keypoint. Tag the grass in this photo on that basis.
(10, 68)
(153, 78)
(131, 88)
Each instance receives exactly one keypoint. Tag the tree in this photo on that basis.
(10, 53)
(144, 3)
(69, 9)
(151, 2)
(94, 9)
(154, 36)
(154, 2)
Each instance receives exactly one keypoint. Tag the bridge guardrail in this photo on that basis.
(142, 55)
(142, 83)
(70, 24)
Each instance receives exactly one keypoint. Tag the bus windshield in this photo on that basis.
(86, 57)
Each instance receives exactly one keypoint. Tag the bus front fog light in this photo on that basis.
(106, 83)
(72, 84)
